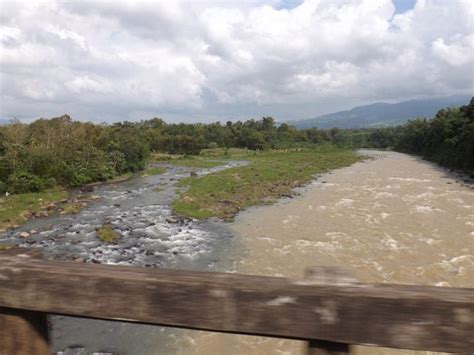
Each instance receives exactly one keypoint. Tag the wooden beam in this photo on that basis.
(23, 332)
(398, 316)
(322, 275)
(323, 347)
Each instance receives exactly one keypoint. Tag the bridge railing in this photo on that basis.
(325, 308)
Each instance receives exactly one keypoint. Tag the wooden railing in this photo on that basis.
(325, 308)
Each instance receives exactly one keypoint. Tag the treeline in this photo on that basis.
(60, 151)
(447, 139)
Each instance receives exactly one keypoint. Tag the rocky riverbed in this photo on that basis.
(139, 211)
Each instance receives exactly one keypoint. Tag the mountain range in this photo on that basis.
(382, 114)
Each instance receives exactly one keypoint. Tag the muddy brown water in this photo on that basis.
(393, 218)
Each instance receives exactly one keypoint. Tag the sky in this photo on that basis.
(222, 60)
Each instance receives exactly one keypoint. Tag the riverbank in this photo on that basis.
(16, 209)
(269, 176)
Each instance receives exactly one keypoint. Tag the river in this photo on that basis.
(140, 209)
(391, 218)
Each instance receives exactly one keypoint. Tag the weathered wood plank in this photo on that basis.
(23, 332)
(322, 275)
(323, 347)
(411, 317)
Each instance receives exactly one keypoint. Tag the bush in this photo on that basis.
(23, 181)
(3, 187)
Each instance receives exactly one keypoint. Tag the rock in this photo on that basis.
(117, 205)
(33, 231)
(75, 350)
(24, 235)
(87, 188)
(193, 174)
(51, 206)
(27, 214)
(79, 260)
(172, 220)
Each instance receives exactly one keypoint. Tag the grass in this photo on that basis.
(154, 171)
(15, 208)
(73, 208)
(269, 176)
(120, 178)
(107, 234)
(198, 162)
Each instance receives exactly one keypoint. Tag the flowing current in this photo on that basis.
(140, 209)
(391, 218)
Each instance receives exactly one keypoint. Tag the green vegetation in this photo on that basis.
(269, 175)
(6, 246)
(63, 152)
(154, 171)
(73, 208)
(107, 234)
(120, 178)
(447, 139)
(195, 163)
(15, 209)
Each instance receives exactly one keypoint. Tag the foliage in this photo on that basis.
(107, 234)
(71, 153)
(35, 156)
(23, 181)
(269, 175)
(447, 139)
(157, 170)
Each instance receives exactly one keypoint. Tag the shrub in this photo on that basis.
(23, 181)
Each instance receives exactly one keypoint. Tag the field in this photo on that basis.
(269, 176)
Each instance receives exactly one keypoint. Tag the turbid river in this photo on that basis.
(392, 218)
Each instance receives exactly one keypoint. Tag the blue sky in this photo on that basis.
(401, 6)
(221, 60)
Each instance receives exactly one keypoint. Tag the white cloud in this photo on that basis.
(216, 59)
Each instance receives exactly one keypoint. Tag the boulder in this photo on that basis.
(51, 206)
(24, 235)
(172, 220)
(87, 188)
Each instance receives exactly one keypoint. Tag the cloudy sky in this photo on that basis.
(219, 60)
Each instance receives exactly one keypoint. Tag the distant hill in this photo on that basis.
(382, 114)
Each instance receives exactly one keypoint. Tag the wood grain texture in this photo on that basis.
(410, 317)
(23, 333)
